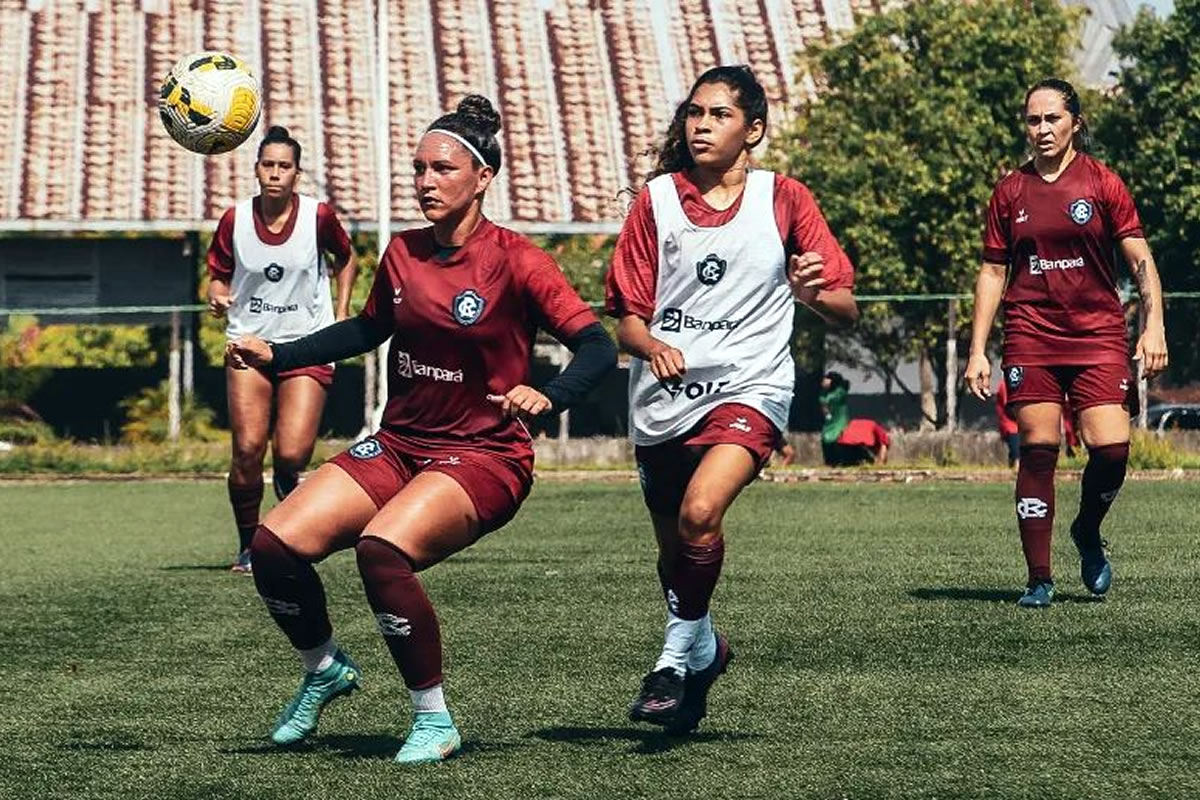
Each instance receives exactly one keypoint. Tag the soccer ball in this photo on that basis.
(209, 102)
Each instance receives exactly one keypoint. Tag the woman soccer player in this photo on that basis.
(1048, 253)
(462, 300)
(269, 277)
(709, 263)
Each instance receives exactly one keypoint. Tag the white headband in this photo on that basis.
(470, 147)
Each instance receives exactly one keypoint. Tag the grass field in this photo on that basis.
(879, 654)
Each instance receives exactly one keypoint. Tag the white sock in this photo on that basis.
(681, 634)
(319, 657)
(430, 699)
(704, 650)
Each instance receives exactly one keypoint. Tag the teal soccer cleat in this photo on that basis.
(299, 719)
(432, 737)
(1038, 594)
(1094, 568)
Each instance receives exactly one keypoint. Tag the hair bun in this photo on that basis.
(481, 111)
(277, 133)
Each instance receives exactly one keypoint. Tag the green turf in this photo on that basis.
(879, 654)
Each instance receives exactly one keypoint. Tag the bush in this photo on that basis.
(1153, 451)
(25, 431)
(146, 416)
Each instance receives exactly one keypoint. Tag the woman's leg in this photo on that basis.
(324, 515)
(300, 400)
(1039, 425)
(431, 518)
(1105, 430)
(248, 392)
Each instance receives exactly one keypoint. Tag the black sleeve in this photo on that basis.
(344, 339)
(594, 355)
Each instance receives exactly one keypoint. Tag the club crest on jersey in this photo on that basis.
(273, 273)
(1014, 376)
(367, 448)
(467, 307)
(710, 270)
(1080, 211)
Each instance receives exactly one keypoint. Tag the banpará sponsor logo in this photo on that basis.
(260, 306)
(408, 367)
(674, 319)
(1039, 265)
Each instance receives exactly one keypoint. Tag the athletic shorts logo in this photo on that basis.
(1032, 508)
(740, 424)
(672, 319)
(1080, 211)
(273, 273)
(391, 625)
(1014, 376)
(1124, 385)
(467, 307)
(367, 448)
(710, 270)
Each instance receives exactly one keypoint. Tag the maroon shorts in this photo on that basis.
(322, 374)
(1082, 386)
(666, 469)
(382, 464)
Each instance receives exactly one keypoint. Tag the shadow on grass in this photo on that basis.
(355, 746)
(196, 567)
(984, 595)
(645, 741)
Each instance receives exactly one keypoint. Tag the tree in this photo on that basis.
(914, 119)
(1150, 132)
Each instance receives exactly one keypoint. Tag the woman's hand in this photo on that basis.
(248, 351)
(666, 362)
(978, 376)
(1152, 351)
(522, 401)
(219, 298)
(804, 275)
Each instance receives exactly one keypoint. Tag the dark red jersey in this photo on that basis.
(631, 284)
(463, 324)
(1058, 240)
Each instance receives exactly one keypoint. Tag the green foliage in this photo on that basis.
(1153, 451)
(19, 380)
(584, 260)
(1150, 132)
(25, 431)
(914, 121)
(146, 416)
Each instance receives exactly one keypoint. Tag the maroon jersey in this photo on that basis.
(632, 282)
(1061, 304)
(331, 237)
(463, 323)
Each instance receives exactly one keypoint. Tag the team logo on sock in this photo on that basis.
(281, 607)
(367, 448)
(391, 625)
(1032, 508)
(1080, 211)
(710, 270)
(1108, 497)
(467, 307)
(672, 602)
(273, 273)
(1014, 376)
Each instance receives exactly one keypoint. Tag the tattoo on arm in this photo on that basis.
(1140, 274)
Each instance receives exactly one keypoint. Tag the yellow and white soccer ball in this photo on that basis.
(210, 102)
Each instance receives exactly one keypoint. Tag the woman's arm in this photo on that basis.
(1152, 343)
(989, 290)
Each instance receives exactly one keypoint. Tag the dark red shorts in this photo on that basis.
(383, 463)
(1082, 386)
(322, 373)
(666, 469)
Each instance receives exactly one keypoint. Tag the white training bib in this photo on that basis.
(723, 299)
(280, 292)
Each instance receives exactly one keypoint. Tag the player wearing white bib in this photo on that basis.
(269, 278)
(709, 264)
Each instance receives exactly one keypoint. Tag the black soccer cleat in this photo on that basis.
(660, 698)
(695, 692)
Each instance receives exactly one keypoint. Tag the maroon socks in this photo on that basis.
(291, 590)
(1035, 506)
